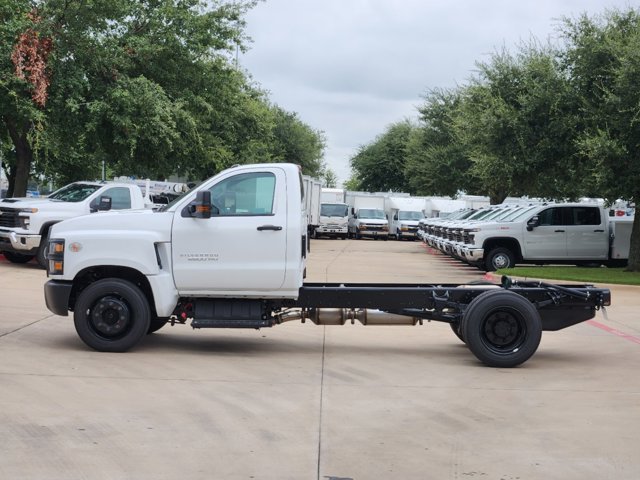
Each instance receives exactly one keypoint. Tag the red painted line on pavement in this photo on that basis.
(617, 333)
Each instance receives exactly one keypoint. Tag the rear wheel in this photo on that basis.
(112, 315)
(455, 327)
(501, 328)
(17, 257)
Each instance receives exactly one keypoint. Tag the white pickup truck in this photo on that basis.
(232, 254)
(565, 233)
(25, 222)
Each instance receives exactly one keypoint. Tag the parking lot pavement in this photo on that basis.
(305, 402)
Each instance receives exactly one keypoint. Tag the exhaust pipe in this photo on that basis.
(339, 316)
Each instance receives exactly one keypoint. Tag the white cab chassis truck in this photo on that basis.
(232, 254)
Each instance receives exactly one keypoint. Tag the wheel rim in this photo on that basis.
(110, 317)
(501, 261)
(503, 331)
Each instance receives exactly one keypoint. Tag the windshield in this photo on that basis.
(410, 216)
(76, 192)
(371, 213)
(166, 207)
(500, 214)
(521, 213)
(334, 210)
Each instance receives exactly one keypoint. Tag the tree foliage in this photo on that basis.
(147, 87)
(437, 162)
(380, 166)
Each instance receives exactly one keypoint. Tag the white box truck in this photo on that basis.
(334, 214)
(312, 190)
(404, 214)
(367, 217)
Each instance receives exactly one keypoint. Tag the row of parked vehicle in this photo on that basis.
(503, 236)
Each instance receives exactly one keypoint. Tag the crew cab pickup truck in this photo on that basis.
(25, 222)
(232, 254)
(571, 233)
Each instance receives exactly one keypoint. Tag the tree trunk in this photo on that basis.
(634, 247)
(24, 157)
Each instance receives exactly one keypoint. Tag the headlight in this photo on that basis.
(55, 255)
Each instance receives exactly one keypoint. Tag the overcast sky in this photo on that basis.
(350, 68)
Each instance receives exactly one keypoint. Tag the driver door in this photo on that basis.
(242, 247)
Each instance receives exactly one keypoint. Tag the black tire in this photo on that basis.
(344, 237)
(501, 328)
(156, 324)
(499, 258)
(112, 315)
(17, 257)
(41, 254)
(455, 328)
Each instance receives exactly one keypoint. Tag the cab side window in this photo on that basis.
(585, 216)
(246, 194)
(550, 216)
(120, 197)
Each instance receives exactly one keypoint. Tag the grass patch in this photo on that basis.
(575, 274)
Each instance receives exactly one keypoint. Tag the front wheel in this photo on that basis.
(501, 328)
(41, 254)
(156, 324)
(499, 258)
(112, 315)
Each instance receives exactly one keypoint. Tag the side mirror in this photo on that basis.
(532, 223)
(353, 211)
(201, 206)
(102, 205)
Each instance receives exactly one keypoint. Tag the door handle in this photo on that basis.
(559, 231)
(599, 231)
(269, 227)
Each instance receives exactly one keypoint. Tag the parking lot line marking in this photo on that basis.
(618, 333)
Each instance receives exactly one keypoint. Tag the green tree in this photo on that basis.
(380, 165)
(146, 87)
(329, 178)
(296, 142)
(438, 162)
(518, 121)
(602, 58)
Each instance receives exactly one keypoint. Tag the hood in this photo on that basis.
(43, 204)
(126, 221)
(25, 202)
(373, 221)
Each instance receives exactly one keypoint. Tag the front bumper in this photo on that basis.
(56, 295)
(331, 230)
(472, 255)
(373, 233)
(19, 243)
